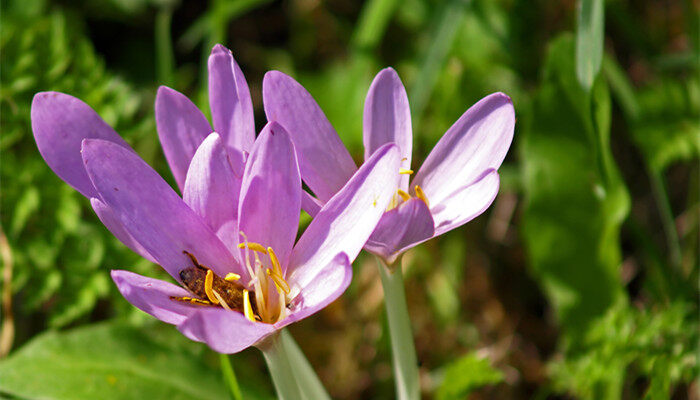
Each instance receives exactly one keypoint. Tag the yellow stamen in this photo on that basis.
(405, 171)
(247, 308)
(405, 196)
(231, 277)
(191, 300)
(247, 257)
(281, 284)
(208, 282)
(253, 246)
(421, 195)
(275, 261)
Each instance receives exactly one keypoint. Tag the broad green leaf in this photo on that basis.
(590, 33)
(113, 360)
(575, 198)
(466, 375)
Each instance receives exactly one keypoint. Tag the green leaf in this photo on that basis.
(465, 375)
(576, 200)
(590, 33)
(112, 360)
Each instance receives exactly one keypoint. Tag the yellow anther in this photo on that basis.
(405, 171)
(279, 281)
(247, 308)
(405, 196)
(231, 277)
(276, 267)
(208, 282)
(253, 246)
(421, 195)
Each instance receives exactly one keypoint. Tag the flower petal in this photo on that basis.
(151, 211)
(466, 203)
(60, 123)
(181, 128)
(400, 229)
(310, 204)
(478, 141)
(152, 296)
(114, 225)
(271, 192)
(224, 331)
(387, 118)
(320, 290)
(324, 161)
(212, 188)
(345, 223)
(229, 100)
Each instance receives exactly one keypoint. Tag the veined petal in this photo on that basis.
(320, 290)
(152, 296)
(271, 192)
(478, 141)
(466, 203)
(400, 229)
(229, 100)
(387, 118)
(114, 225)
(324, 162)
(154, 215)
(212, 188)
(224, 331)
(345, 223)
(60, 123)
(181, 128)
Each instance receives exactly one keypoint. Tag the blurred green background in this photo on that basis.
(581, 281)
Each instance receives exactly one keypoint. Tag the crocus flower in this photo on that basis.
(242, 278)
(457, 182)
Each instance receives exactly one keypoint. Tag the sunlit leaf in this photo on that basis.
(466, 375)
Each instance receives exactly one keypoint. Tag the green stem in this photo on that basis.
(659, 189)
(403, 351)
(230, 377)
(281, 370)
(306, 377)
(165, 60)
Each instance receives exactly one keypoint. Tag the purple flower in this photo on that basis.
(456, 183)
(265, 281)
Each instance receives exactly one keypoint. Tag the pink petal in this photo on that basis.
(112, 223)
(154, 215)
(400, 229)
(152, 296)
(478, 141)
(465, 203)
(181, 129)
(212, 189)
(271, 192)
(224, 331)
(324, 161)
(310, 204)
(229, 100)
(387, 118)
(346, 221)
(320, 290)
(60, 123)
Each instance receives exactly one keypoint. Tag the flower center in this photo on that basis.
(400, 196)
(266, 281)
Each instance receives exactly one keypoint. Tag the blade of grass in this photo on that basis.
(589, 41)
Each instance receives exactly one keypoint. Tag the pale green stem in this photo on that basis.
(230, 377)
(669, 225)
(292, 375)
(403, 350)
(306, 377)
(281, 370)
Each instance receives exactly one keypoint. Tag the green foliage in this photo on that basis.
(58, 244)
(115, 361)
(627, 344)
(573, 250)
(465, 375)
